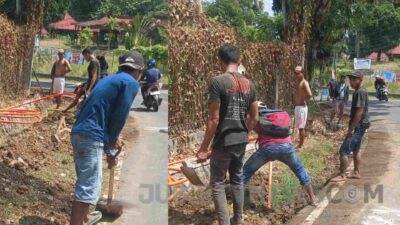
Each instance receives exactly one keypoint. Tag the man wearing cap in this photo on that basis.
(58, 72)
(97, 128)
(300, 100)
(359, 122)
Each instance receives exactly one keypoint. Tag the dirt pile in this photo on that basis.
(36, 175)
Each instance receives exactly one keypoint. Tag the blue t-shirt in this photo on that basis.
(151, 75)
(106, 110)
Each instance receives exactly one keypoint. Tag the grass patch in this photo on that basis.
(285, 189)
(56, 171)
(286, 184)
(9, 207)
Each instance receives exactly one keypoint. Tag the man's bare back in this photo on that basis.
(303, 93)
(61, 68)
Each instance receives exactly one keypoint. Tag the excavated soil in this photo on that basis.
(36, 178)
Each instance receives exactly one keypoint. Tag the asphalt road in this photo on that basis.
(142, 188)
(143, 181)
(375, 198)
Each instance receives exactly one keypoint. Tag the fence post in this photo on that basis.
(277, 78)
(28, 74)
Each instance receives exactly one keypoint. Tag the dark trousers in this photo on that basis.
(223, 160)
(144, 89)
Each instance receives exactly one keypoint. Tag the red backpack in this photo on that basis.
(274, 122)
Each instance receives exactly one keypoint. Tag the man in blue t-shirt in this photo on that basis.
(151, 75)
(97, 128)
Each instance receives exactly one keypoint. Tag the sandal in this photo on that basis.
(96, 217)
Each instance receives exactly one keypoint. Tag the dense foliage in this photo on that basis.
(193, 44)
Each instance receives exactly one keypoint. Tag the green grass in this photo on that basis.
(18, 200)
(286, 189)
(52, 174)
(44, 62)
(286, 184)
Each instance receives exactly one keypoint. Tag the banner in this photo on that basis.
(77, 58)
(360, 64)
(389, 76)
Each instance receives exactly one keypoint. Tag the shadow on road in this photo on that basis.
(139, 109)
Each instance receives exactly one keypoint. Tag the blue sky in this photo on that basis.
(268, 7)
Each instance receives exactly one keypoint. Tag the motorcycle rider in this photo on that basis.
(379, 84)
(151, 76)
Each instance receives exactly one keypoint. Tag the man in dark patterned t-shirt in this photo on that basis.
(233, 113)
(359, 122)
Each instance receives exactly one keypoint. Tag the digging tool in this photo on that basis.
(111, 209)
(191, 175)
(269, 197)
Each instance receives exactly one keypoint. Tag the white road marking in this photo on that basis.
(325, 202)
(320, 208)
(159, 129)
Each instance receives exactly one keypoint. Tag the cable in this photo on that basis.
(29, 116)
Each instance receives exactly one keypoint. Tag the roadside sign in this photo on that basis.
(360, 64)
(389, 76)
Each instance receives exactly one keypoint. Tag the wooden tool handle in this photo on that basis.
(111, 185)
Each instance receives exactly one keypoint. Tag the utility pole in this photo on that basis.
(357, 45)
(277, 78)
(283, 2)
(18, 11)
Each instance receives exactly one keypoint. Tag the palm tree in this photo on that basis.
(137, 34)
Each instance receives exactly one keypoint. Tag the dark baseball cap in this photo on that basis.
(132, 59)
(356, 74)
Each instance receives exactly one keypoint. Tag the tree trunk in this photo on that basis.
(378, 58)
(284, 14)
(257, 5)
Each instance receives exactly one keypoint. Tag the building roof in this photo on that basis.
(43, 31)
(374, 56)
(395, 50)
(103, 21)
(68, 23)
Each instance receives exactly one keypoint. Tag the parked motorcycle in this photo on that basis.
(383, 93)
(152, 96)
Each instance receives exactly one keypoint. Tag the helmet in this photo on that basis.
(151, 63)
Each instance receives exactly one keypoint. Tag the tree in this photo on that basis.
(112, 35)
(132, 8)
(84, 10)
(85, 38)
(246, 16)
(382, 28)
(137, 34)
(53, 10)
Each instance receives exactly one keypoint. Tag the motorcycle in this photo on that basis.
(152, 96)
(383, 93)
